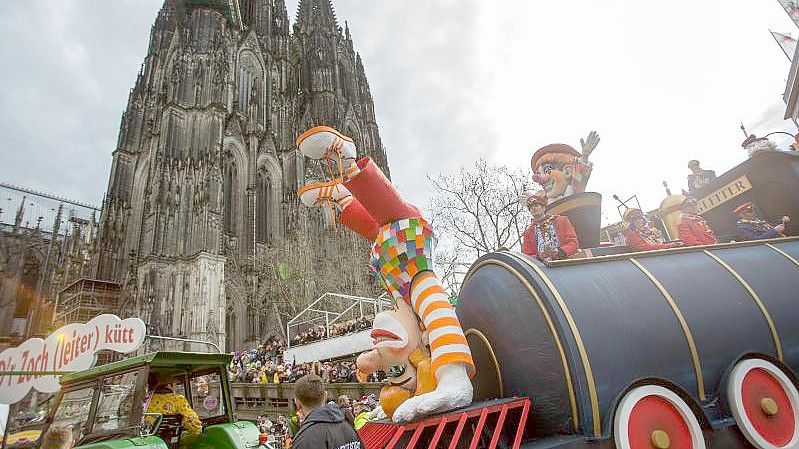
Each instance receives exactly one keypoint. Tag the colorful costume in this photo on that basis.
(753, 228)
(403, 255)
(641, 235)
(554, 230)
(547, 232)
(756, 229)
(693, 230)
(176, 404)
(403, 241)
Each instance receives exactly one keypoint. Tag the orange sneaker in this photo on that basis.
(324, 142)
(323, 193)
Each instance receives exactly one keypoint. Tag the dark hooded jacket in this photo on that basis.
(326, 427)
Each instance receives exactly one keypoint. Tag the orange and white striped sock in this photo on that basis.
(343, 202)
(431, 303)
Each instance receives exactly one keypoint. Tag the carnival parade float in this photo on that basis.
(688, 347)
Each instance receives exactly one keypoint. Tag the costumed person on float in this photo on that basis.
(693, 229)
(750, 227)
(699, 177)
(402, 254)
(548, 237)
(641, 235)
(561, 170)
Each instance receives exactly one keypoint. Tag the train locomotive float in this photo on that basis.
(688, 348)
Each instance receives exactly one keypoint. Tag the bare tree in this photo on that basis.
(450, 267)
(479, 209)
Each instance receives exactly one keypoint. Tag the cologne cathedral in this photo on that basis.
(201, 229)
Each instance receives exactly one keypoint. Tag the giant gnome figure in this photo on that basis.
(563, 173)
(402, 254)
(561, 170)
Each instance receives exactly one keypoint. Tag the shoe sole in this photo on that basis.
(323, 129)
(319, 129)
(317, 185)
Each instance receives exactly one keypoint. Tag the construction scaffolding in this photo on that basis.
(84, 299)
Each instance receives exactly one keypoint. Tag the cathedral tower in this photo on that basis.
(201, 209)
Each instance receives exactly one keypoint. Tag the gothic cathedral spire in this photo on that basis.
(315, 14)
(204, 171)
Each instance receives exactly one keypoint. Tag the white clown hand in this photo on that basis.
(589, 143)
(377, 413)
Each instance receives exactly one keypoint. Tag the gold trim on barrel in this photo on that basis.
(787, 256)
(700, 382)
(660, 252)
(550, 324)
(482, 337)
(589, 374)
(756, 299)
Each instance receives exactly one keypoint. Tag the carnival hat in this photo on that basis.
(555, 148)
(745, 207)
(631, 214)
(687, 200)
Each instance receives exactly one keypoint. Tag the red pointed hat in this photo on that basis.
(628, 214)
(743, 207)
(560, 148)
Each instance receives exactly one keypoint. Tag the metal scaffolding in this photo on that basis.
(84, 299)
(332, 308)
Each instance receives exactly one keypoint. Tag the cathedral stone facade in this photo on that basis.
(201, 225)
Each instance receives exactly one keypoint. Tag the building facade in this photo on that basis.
(201, 225)
(46, 242)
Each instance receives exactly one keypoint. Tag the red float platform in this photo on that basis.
(482, 424)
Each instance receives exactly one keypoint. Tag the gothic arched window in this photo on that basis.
(252, 321)
(230, 326)
(249, 75)
(230, 193)
(264, 207)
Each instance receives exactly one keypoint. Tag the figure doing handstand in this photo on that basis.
(402, 254)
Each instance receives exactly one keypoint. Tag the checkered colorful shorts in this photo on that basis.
(402, 249)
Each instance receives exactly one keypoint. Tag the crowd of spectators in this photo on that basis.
(351, 326)
(265, 365)
(318, 332)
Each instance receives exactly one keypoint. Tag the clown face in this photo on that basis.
(560, 170)
(395, 336)
(555, 173)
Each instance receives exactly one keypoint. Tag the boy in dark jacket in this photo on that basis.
(324, 426)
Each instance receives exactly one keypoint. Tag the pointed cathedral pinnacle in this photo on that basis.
(316, 12)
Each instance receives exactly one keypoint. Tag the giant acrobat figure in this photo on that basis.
(402, 254)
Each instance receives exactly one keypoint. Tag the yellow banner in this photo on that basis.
(724, 194)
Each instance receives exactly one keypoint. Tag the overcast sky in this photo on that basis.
(662, 83)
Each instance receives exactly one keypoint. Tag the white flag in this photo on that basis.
(787, 43)
(792, 8)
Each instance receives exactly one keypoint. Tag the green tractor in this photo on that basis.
(104, 405)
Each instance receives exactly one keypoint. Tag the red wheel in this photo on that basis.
(765, 404)
(653, 417)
